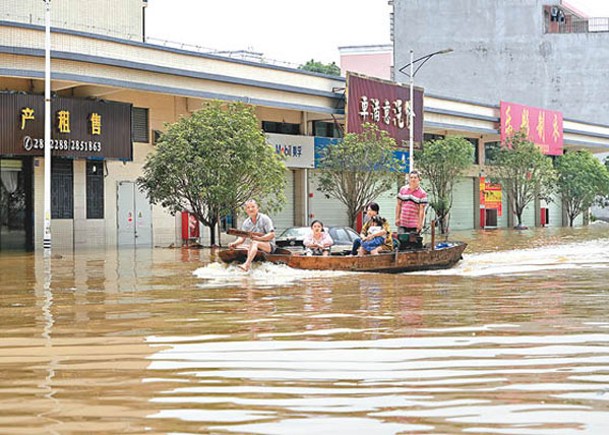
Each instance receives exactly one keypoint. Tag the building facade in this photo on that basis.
(112, 97)
(542, 53)
(114, 18)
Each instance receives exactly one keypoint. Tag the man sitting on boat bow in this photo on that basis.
(255, 223)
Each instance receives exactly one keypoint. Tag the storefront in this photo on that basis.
(84, 135)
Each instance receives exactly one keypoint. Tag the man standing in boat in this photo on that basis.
(255, 223)
(410, 209)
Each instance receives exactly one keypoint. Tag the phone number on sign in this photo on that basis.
(30, 143)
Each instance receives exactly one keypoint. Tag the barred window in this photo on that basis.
(95, 189)
(62, 189)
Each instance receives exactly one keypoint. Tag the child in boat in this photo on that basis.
(375, 241)
(317, 242)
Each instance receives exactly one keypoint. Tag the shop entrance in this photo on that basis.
(16, 229)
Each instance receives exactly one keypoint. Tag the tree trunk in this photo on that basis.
(519, 219)
(353, 219)
(212, 233)
(443, 224)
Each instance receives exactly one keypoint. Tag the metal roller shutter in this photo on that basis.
(462, 211)
(502, 221)
(285, 217)
(555, 212)
(528, 215)
(387, 202)
(329, 211)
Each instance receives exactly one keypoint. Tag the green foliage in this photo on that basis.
(441, 163)
(315, 66)
(359, 168)
(524, 172)
(211, 162)
(582, 181)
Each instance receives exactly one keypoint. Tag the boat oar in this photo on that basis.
(240, 233)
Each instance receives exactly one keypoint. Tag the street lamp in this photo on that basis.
(47, 126)
(412, 73)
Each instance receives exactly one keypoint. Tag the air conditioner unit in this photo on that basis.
(554, 13)
(156, 135)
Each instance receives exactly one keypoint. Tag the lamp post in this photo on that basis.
(47, 126)
(412, 73)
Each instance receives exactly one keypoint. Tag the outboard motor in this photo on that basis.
(410, 241)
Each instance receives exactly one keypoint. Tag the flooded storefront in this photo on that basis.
(15, 204)
(514, 339)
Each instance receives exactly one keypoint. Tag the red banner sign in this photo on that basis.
(542, 127)
(385, 104)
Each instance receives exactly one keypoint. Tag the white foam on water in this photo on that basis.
(218, 275)
(591, 255)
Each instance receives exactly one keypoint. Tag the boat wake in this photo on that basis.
(586, 255)
(261, 275)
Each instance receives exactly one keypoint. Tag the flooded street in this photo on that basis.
(513, 340)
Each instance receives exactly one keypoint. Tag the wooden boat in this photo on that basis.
(445, 255)
(434, 256)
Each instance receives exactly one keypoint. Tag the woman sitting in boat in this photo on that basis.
(378, 233)
(372, 210)
(317, 242)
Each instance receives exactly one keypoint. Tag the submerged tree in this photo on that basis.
(213, 161)
(441, 163)
(582, 181)
(359, 168)
(524, 172)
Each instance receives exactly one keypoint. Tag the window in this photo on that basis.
(490, 152)
(280, 127)
(475, 143)
(139, 129)
(95, 189)
(431, 136)
(62, 189)
(326, 129)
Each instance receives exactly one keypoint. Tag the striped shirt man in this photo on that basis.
(410, 210)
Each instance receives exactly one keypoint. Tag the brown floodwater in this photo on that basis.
(513, 340)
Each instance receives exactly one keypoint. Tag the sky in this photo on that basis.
(284, 30)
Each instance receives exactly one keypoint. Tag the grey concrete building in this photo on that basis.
(542, 53)
(122, 19)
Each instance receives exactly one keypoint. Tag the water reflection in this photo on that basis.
(513, 340)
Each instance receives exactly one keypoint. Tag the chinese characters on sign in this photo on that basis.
(542, 127)
(297, 151)
(491, 196)
(385, 104)
(79, 128)
(95, 123)
(62, 120)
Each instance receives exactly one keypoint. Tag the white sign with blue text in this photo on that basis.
(299, 151)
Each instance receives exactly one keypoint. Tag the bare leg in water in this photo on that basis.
(251, 253)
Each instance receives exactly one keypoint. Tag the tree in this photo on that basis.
(582, 181)
(213, 161)
(359, 168)
(524, 172)
(442, 162)
(315, 66)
